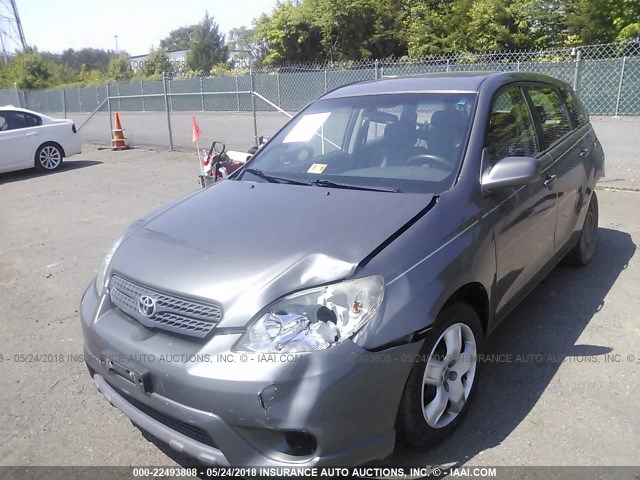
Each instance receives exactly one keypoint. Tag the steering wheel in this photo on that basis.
(429, 159)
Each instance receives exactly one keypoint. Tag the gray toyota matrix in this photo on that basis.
(339, 300)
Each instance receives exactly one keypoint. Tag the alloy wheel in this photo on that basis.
(50, 157)
(449, 375)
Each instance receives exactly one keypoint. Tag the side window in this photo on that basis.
(11, 121)
(551, 113)
(32, 120)
(511, 132)
(576, 108)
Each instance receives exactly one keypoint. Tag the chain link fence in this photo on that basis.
(237, 108)
(606, 76)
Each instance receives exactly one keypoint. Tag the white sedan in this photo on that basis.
(29, 139)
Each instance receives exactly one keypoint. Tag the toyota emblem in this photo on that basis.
(147, 306)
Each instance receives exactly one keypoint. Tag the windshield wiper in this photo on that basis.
(272, 179)
(331, 184)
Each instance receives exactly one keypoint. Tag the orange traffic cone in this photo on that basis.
(118, 140)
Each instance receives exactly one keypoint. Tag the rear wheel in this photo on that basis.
(48, 157)
(583, 251)
(442, 381)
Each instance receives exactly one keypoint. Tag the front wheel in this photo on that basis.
(48, 157)
(442, 381)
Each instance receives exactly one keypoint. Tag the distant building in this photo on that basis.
(177, 58)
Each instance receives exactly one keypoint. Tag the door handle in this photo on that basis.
(584, 151)
(551, 179)
(31, 134)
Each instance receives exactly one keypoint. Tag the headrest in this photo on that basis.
(400, 134)
(446, 119)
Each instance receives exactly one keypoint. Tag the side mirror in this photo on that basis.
(511, 172)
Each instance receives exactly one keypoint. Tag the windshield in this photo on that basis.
(410, 142)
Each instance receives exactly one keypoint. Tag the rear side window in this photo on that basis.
(32, 120)
(511, 132)
(12, 121)
(551, 113)
(576, 109)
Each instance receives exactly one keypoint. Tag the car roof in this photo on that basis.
(441, 82)
(18, 109)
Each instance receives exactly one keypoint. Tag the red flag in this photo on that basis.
(195, 129)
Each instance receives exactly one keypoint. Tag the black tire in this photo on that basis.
(411, 425)
(49, 157)
(582, 253)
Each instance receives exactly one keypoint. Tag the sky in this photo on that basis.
(55, 25)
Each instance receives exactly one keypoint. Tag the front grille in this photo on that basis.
(172, 313)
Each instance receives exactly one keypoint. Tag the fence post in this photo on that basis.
(278, 85)
(64, 102)
(448, 65)
(109, 108)
(375, 71)
(79, 99)
(15, 86)
(576, 73)
(201, 94)
(238, 94)
(624, 63)
(253, 108)
(142, 92)
(97, 96)
(325, 80)
(166, 107)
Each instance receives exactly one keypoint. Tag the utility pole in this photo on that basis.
(16, 16)
(4, 50)
(116, 37)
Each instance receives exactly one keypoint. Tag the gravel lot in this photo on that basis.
(54, 230)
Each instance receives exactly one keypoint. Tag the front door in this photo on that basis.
(524, 218)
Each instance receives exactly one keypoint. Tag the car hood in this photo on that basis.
(244, 244)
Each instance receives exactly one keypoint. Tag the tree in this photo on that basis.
(178, 39)
(157, 64)
(31, 70)
(436, 26)
(207, 46)
(290, 34)
(120, 68)
(93, 58)
(243, 39)
(356, 29)
(602, 21)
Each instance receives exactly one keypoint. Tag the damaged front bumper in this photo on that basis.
(332, 407)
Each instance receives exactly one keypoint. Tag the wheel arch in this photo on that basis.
(475, 295)
(49, 142)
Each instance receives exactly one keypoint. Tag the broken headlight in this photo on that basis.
(314, 319)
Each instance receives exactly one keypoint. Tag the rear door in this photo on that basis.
(524, 217)
(12, 139)
(18, 140)
(569, 145)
